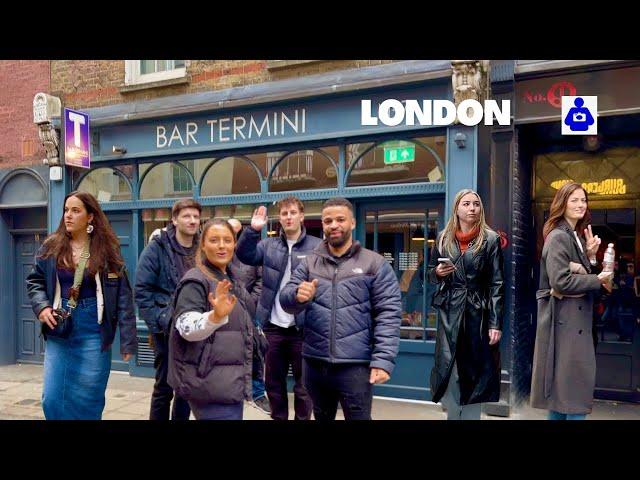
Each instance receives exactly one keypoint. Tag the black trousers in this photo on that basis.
(162, 391)
(285, 349)
(347, 383)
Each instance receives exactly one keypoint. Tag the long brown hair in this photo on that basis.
(448, 236)
(201, 256)
(105, 247)
(558, 207)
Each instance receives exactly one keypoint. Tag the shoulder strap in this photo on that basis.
(74, 291)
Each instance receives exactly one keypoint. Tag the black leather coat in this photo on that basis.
(468, 303)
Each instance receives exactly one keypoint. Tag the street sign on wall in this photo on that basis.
(76, 139)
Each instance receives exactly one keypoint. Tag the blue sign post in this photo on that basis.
(76, 139)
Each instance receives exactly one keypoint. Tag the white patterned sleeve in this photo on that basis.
(195, 326)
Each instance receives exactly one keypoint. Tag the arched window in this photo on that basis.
(23, 187)
(106, 184)
(303, 169)
(397, 161)
(167, 180)
(230, 175)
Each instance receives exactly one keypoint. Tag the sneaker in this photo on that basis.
(262, 404)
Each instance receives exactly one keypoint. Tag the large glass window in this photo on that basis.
(397, 161)
(404, 237)
(153, 220)
(181, 179)
(607, 174)
(231, 175)
(163, 181)
(303, 169)
(106, 184)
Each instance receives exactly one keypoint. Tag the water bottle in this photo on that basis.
(608, 262)
(609, 259)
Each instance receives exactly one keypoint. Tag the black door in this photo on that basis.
(616, 314)
(30, 345)
(121, 224)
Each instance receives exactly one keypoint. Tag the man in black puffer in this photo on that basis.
(162, 263)
(279, 256)
(353, 312)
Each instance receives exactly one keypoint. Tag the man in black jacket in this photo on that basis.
(163, 262)
(353, 313)
(279, 256)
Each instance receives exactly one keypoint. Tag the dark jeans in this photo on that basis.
(347, 383)
(257, 377)
(162, 391)
(285, 348)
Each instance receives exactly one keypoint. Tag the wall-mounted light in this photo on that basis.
(119, 149)
(460, 139)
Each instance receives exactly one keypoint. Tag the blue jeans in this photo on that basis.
(75, 370)
(217, 411)
(257, 373)
(258, 388)
(566, 416)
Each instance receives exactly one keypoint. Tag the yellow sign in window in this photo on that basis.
(610, 186)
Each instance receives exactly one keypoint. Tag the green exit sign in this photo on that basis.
(399, 154)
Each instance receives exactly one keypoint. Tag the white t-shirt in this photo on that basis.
(278, 315)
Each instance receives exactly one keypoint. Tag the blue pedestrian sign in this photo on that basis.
(580, 115)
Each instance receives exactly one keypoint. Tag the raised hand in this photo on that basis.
(306, 291)
(221, 303)
(259, 218)
(593, 242)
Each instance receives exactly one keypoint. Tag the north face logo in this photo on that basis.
(357, 270)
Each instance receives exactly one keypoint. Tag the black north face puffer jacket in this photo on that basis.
(356, 313)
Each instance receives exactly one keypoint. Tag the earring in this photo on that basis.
(89, 228)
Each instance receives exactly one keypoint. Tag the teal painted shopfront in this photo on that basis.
(236, 149)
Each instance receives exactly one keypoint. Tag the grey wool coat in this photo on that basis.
(564, 362)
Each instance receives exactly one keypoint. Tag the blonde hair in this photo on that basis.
(448, 235)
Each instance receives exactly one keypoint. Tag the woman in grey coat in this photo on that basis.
(564, 362)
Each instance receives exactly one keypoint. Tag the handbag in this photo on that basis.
(64, 317)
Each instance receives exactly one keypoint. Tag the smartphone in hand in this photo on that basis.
(447, 261)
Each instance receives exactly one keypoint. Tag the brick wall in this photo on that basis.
(95, 83)
(20, 80)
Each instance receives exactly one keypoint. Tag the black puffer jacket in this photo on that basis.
(356, 313)
(218, 368)
(272, 253)
(468, 303)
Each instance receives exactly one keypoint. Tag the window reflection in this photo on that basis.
(398, 161)
(303, 169)
(404, 238)
(106, 185)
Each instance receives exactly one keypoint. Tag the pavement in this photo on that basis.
(127, 398)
